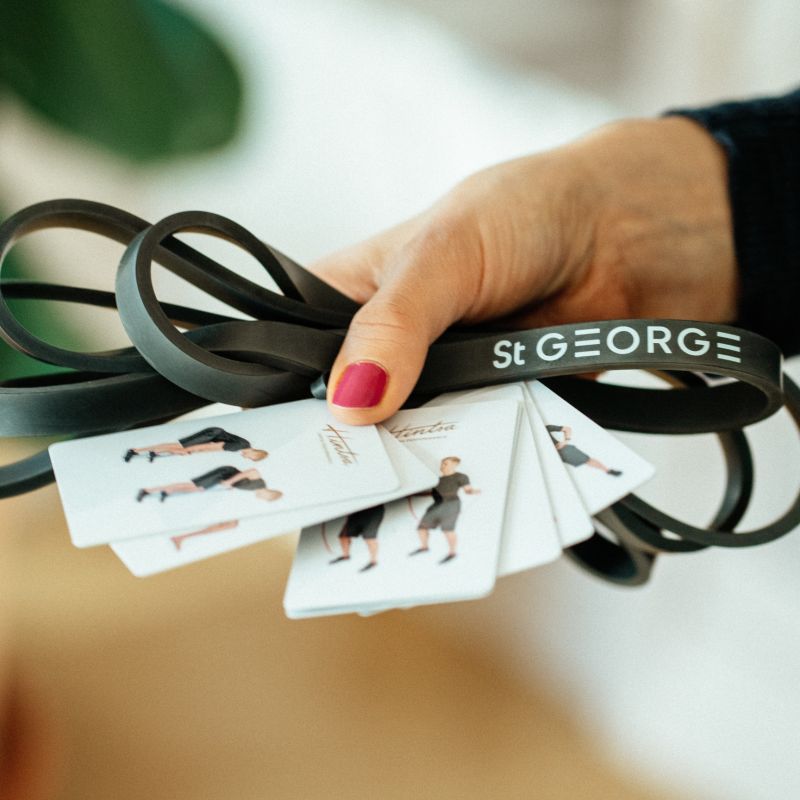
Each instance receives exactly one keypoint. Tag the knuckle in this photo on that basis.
(448, 254)
(391, 321)
(443, 235)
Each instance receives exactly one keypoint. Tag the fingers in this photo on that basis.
(423, 287)
(356, 271)
(474, 255)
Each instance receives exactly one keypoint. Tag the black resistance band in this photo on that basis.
(182, 358)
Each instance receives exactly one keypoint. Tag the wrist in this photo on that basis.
(664, 216)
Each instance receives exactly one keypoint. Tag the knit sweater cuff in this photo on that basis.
(762, 141)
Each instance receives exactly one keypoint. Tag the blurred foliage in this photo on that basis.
(139, 78)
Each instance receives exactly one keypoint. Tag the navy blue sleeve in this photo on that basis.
(761, 138)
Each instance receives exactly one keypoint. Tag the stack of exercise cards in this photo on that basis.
(435, 546)
(432, 506)
(520, 472)
(167, 495)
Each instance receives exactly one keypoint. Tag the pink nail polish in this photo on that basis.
(361, 385)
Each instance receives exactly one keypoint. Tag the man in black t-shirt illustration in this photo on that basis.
(364, 523)
(225, 477)
(445, 508)
(574, 456)
(208, 440)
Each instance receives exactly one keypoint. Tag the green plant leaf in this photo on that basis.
(136, 76)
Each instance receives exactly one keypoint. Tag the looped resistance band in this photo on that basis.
(182, 358)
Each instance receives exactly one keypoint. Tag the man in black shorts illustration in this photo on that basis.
(444, 510)
(574, 456)
(208, 440)
(227, 477)
(364, 523)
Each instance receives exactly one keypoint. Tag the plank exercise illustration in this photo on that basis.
(574, 456)
(225, 477)
(445, 508)
(364, 523)
(179, 539)
(207, 440)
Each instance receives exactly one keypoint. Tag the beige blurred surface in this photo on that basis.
(194, 685)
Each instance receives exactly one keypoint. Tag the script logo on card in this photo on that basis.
(408, 433)
(334, 440)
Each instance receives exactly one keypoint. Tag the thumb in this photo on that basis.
(426, 289)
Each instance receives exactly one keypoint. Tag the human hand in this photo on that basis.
(632, 220)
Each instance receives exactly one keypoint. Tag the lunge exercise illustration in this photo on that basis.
(225, 477)
(207, 440)
(179, 539)
(446, 506)
(364, 523)
(572, 455)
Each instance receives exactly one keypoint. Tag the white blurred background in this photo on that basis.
(360, 114)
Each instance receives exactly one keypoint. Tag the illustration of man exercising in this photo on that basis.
(226, 477)
(364, 523)
(574, 456)
(445, 508)
(208, 440)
